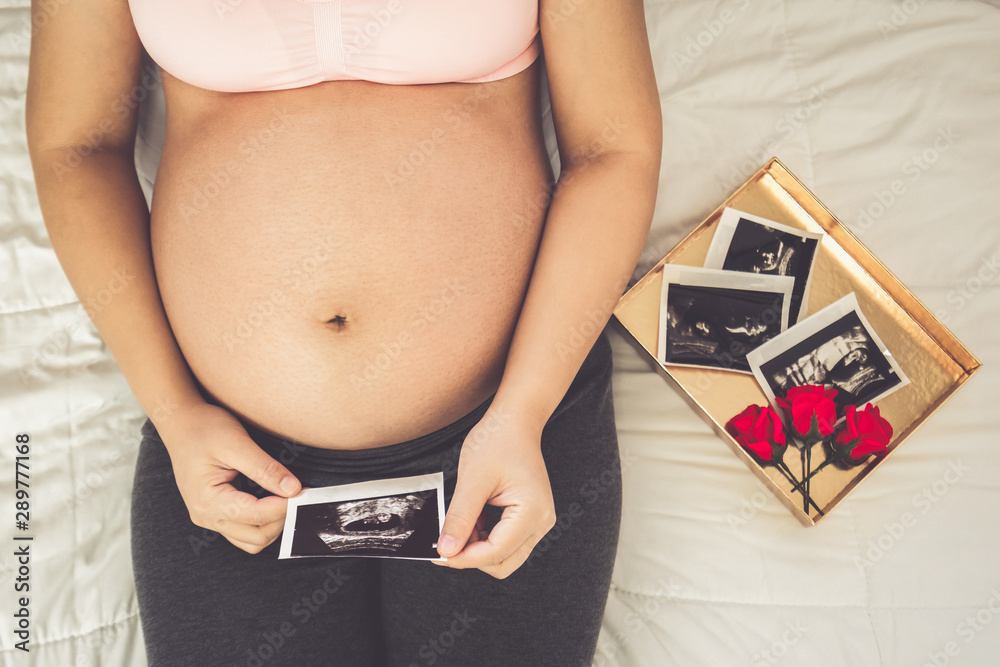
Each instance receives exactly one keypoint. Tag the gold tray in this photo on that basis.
(935, 361)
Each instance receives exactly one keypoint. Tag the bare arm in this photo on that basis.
(81, 115)
(84, 64)
(606, 112)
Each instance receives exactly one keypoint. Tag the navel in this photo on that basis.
(338, 322)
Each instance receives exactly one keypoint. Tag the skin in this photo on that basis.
(85, 56)
(599, 67)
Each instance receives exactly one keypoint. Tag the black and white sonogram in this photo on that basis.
(346, 521)
(713, 318)
(713, 326)
(841, 352)
(751, 244)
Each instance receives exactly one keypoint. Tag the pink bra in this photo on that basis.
(247, 45)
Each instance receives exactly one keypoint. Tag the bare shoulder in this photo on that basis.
(601, 80)
(84, 62)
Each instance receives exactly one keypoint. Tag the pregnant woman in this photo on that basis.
(358, 265)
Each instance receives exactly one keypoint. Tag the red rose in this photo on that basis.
(864, 433)
(811, 411)
(758, 430)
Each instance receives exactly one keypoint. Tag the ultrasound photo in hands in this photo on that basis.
(383, 518)
(400, 525)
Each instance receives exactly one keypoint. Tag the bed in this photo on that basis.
(886, 111)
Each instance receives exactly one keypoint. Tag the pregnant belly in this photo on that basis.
(343, 265)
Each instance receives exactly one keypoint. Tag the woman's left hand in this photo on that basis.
(500, 464)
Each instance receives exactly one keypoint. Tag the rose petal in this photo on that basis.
(743, 422)
(850, 431)
(777, 428)
(761, 449)
(866, 448)
(826, 417)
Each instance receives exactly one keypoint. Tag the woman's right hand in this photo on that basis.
(208, 448)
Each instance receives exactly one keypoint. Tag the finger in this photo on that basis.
(510, 533)
(240, 507)
(248, 458)
(467, 504)
(249, 548)
(480, 533)
(510, 564)
(258, 536)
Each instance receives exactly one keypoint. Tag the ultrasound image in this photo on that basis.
(717, 327)
(397, 525)
(756, 248)
(841, 355)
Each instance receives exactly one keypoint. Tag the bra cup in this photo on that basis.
(247, 45)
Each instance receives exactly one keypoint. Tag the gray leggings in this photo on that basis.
(205, 603)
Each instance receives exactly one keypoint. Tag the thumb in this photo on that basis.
(466, 506)
(257, 465)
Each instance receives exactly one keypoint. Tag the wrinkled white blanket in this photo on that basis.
(887, 111)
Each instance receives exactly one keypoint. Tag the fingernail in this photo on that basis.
(287, 485)
(446, 545)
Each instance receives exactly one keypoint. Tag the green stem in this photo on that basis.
(805, 489)
(791, 478)
(805, 481)
(788, 475)
(813, 474)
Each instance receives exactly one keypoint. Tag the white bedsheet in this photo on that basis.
(853, 97)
